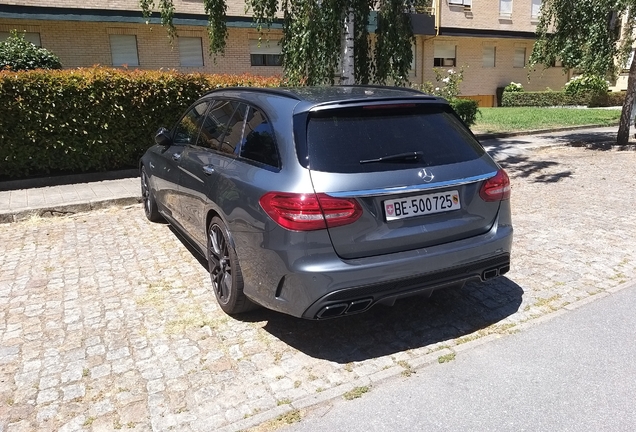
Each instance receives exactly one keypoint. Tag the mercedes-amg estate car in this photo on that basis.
(322, 202)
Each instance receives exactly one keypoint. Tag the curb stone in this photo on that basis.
(67, 209)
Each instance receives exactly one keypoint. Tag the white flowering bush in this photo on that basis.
(582, 84)
(447, 86)
(514, 87)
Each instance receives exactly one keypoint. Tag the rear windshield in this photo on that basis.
(352, 140)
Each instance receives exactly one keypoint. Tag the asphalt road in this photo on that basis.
(577, 372)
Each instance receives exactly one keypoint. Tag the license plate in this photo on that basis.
(421, 205)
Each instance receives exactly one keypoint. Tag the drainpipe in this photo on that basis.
(438, 18)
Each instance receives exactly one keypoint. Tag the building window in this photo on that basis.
(536, 9)
(505, 9)
(34, 38)
(488, 58)
(190, 51)
(123, 49)
(520, 57)
(265, 53)
(556, 63)
(465, 3)
(445, 55)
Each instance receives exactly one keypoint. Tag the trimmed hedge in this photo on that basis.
(555, 98)
(94, 119)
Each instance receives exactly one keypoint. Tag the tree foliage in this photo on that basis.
(17, 53)
(593, 37)
(312, 32)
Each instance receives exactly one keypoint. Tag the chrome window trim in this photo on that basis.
(412, 188)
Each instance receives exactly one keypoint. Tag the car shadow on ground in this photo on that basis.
(411, 323)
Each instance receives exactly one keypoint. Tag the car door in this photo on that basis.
(202, 179)
(186, 132)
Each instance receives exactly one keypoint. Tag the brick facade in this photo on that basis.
(85, 42)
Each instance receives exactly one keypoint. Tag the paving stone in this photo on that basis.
(96, 329)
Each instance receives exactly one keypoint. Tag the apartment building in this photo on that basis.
(490, 39)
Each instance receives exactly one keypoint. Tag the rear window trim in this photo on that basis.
(412, 188)
(301, 119)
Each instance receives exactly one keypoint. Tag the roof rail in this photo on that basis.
(271, 90)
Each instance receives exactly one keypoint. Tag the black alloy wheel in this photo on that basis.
(225, 272)
(150, 206)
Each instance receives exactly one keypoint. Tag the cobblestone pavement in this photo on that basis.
(106, 321)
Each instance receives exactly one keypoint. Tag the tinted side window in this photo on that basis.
(234, 129)
(338, 140)
(258, 144)
(187, 131)
(215, 124)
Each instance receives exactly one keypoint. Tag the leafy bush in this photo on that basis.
(94, 119)
(467, 109)
(514, 87)
(16, 53)
(586, 84)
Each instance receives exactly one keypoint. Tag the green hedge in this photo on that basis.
(555, 98)
(94, 119)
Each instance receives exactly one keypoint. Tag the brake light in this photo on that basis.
(388, 106)
(307, 212)
(496, 188)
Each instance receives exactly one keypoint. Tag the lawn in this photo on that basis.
(534, 118)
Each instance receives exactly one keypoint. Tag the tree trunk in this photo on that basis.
(347, 75)
(622, 137)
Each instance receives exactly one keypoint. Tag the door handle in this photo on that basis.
(208, 169)
(176, 156)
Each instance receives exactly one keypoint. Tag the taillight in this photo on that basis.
(496, 188)
(307, 212)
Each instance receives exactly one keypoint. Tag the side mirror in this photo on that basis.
(162, 137)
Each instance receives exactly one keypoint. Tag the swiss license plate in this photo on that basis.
(421, 205)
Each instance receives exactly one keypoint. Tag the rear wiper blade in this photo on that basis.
(400, 157)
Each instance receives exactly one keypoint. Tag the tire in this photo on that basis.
(150, 206)
(225, 271)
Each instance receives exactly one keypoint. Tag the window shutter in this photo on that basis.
(520, 58)
(34, 38)
(488, 60)
(264, 47)
(444, 51)
(190, 51)
(124, 50)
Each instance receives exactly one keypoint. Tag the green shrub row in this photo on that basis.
(557, 98)
(95, 119)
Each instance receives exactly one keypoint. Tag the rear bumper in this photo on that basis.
(359, 299)
(322, 285)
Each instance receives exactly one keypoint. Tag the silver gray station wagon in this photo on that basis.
(322, 202)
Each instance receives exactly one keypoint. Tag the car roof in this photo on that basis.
(313, 96)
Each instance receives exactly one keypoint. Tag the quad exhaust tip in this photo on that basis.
(494, 272)
(348, 308)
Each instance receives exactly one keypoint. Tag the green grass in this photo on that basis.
(534, 118)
